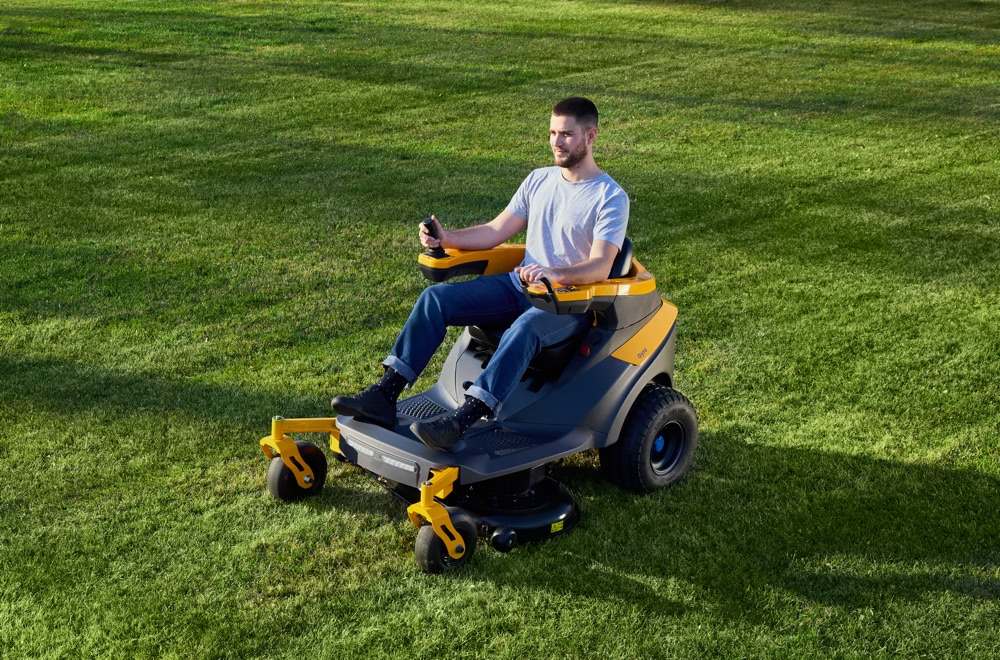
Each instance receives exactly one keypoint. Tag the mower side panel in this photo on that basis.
(662, 362)
(597, 398)
(584, 408)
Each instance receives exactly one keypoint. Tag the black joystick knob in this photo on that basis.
(435, 252)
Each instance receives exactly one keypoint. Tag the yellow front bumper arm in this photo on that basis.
(279, 443)
(429, 510)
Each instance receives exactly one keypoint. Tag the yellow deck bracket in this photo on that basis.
(279, 443)
(434, 513)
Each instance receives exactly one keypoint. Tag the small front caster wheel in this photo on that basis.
(281, 481)
(432, 555)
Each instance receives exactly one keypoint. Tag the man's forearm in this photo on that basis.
(586, 272)
(479, 237)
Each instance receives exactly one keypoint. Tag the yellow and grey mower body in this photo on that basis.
(609, 388)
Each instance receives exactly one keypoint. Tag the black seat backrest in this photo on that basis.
(623, 262)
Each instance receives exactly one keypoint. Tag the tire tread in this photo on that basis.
(622, 462)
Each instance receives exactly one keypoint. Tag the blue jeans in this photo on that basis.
(486, 300)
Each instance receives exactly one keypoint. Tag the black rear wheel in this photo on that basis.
(656, 445)
(281, 481)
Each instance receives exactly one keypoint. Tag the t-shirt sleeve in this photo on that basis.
(612, 219)
(519, 202)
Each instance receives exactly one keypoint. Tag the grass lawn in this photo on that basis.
(208, 215)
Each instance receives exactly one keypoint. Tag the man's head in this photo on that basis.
(572, 130)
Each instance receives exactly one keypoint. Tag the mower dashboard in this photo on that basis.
(501, 259)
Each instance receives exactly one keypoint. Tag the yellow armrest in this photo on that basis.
(579, 298)
(501, 259)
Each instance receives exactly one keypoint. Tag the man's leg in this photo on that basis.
(532, 331)
(489, 300)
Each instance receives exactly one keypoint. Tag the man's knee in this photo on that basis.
(540, 328)
(432, 297)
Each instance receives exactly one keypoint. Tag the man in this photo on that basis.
(575, 215)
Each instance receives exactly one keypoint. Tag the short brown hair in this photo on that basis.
(578, 107)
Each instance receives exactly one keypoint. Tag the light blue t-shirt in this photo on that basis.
(565, 218)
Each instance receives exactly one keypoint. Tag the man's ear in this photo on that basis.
(591, 134)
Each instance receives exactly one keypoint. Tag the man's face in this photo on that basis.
(569, 140)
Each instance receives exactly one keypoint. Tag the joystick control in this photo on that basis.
(435, 252)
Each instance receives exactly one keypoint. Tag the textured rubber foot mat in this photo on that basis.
(499, 442)
(419, 407)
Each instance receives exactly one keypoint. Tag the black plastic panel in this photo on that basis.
(401, 469)
(442, 274)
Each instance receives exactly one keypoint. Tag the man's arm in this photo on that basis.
(480, 237)
(594, 268)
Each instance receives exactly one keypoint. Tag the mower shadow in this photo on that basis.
(818, 527)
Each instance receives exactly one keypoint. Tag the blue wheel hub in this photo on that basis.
(667, 447)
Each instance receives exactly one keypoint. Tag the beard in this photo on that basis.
(572, 158)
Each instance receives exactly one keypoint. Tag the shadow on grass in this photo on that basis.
(273, 178)
(846, 531)
(160, 35)
(970, 21)
(66, 387)
(473, 71)
(855, 225)
(26, 48)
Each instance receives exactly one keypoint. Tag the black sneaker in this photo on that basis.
(444, 432)
(372, 405)
(440, 433)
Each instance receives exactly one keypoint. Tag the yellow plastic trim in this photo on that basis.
(500, 259)
(279, 443)
(434, 513)
(641, 345)
(639, 282)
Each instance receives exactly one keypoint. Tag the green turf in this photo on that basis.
(207, 217)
